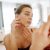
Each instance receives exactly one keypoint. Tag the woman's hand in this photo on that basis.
(18, 28)
(40, 38)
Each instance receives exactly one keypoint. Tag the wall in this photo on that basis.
(8, 15)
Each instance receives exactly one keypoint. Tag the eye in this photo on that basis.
(27, 14)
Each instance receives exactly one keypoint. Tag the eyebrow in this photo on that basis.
(27, 11)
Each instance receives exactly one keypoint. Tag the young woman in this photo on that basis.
(22, 37)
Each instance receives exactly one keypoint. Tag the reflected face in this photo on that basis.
(26, 16)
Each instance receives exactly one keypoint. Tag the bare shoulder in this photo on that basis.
(7, 39)
(10, 42)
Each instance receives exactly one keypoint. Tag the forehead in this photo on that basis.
(27, 9)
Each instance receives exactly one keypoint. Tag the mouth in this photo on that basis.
(29, 22)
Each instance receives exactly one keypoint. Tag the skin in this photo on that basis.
(25, 37)
(20, 36)
(40, 39)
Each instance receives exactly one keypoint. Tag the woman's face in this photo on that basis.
(26, 16)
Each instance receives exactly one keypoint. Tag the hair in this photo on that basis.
(19, 10)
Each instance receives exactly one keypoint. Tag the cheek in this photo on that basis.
(24, 20)
(23, 17)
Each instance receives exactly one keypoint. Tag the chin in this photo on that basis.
(28, 25)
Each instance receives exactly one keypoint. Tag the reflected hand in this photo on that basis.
(40, 39)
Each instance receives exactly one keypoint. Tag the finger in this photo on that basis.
(28, 37)
(25, 32)
(19, 22)
(17, 19)
(41, 29)
(46, 31)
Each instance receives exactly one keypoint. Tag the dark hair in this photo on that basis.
(19, 10)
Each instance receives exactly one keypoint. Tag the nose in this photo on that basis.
(30, 18)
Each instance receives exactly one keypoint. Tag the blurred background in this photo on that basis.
(41, 10)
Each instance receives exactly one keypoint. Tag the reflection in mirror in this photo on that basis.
(7, 15)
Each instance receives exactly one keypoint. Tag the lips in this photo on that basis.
(18, 26)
